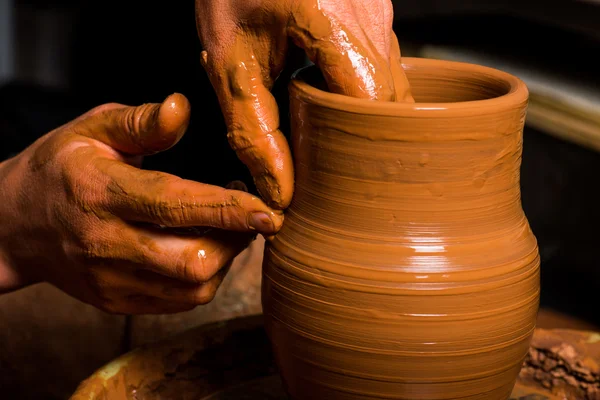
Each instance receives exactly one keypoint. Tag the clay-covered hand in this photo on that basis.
(245, 44)
(78, 213)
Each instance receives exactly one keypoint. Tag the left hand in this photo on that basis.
(77, 212)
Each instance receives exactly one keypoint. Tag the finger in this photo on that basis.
(252, 119)
(138, 262)
(163, 199)
(388, 23)
(350, 66)
(200, 260)
(152, 284)
(138, 291)
(189, 260)
(202, 230)
(142, 130)
(401, 84)
(117, 289)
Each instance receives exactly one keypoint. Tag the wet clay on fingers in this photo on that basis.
(405, 268)
(90, 217)
(246, 42)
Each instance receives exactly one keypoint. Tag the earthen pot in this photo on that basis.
(406, 268)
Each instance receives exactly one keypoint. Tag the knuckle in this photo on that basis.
(171, 214)
(203, 265)
(158, 203)
(241, 142)
(102, 108)
(82, 185)
(132, 121)
(90, 247)
(224, 215)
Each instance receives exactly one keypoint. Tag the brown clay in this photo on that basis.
(405, 268)
(246, 43)
(564, 362)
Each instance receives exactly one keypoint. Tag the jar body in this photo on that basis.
(406, 268)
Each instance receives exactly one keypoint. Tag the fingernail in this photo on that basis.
(261, 222)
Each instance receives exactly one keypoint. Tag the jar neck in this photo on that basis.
(391, 188)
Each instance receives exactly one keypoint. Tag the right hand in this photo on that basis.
(245, 45)
(78, 213)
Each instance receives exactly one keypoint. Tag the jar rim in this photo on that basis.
(516, 95)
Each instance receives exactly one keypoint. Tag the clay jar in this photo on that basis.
(406, 268)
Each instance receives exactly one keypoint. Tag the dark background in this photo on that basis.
(70, 56)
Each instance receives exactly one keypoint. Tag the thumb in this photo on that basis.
(142, 130)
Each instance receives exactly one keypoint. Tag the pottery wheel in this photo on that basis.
(222, 361)
(270, 388)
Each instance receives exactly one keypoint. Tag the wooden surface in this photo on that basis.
(49, 342)
(226, 360)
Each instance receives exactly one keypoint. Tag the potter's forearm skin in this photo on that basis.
(77, 212)
(245, 45)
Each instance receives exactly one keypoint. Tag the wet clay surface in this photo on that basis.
(228, 360)
(245, 47)
(405, 248)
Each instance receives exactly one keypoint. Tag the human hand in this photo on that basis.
(245, 43)
(78, 213)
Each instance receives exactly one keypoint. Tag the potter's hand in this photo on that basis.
(76, 212)
(245, 44)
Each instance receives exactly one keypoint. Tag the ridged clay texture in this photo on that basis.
(406, 267)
